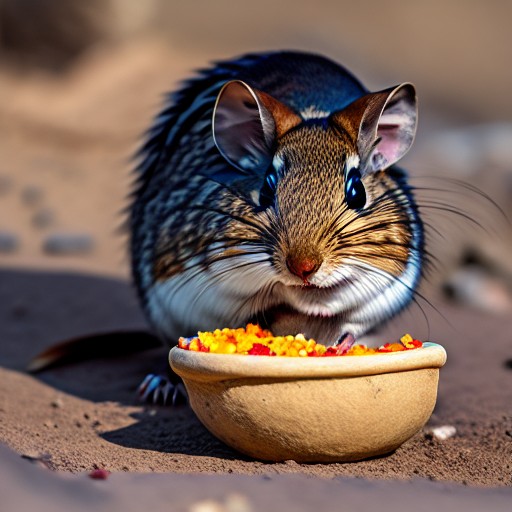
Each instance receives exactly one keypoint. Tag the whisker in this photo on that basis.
(219, 276)
(414, 293)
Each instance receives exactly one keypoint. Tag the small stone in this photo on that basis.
(442, 433)
(9, 242)
(57, 403)
(31, 195)
(43, 218)
(65, 244)
(237, 503)
(231, 503)
(475, 286)
(206, 506)
(5, 184)
(39, 459)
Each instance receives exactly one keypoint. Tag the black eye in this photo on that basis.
(355, 193)
(268, 189)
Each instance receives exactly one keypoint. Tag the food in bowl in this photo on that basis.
(253, 340)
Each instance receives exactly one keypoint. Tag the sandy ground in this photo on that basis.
(66, 174)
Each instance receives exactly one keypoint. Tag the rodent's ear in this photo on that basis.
(247, 124)
(384, 124)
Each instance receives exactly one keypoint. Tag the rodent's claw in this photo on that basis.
(344, 344)
(157, 389)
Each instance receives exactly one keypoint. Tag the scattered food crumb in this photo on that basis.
(99, 474)
(442, 433)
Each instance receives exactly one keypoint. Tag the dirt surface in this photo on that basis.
(85, 415)
(66, 145)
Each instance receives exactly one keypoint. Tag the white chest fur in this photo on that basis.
(230, 292)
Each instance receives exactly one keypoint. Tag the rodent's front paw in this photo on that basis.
(345, 342)
(158, 389)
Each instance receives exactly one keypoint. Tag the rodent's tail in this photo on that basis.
(94, 346)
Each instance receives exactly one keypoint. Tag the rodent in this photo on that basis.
(267, 191)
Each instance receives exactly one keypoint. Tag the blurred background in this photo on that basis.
(81, 80)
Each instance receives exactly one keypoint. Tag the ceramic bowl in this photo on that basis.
(316, 409)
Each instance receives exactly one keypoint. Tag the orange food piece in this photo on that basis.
(253, 340)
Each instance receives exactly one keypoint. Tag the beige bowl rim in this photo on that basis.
(218, 367)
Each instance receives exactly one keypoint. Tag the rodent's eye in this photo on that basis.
(355, 193)
(268, 189)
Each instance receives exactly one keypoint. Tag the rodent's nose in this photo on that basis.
(303, 267)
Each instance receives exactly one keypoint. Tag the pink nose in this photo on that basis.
(302, 267)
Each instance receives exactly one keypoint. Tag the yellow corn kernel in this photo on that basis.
(310, 345)
(320, 349)
(406, 338)
(230, 348)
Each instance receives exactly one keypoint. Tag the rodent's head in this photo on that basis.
(328, 200)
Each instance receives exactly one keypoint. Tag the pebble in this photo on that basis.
(57, 403)
(475, 286)
(231, 503)
(9, 242)
(443, 432)
(65, 244)
(39, 459)
(5, 184)
(43, 218)
(32, 195)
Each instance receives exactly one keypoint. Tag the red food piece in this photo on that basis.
(99, 474)
(258, 349)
